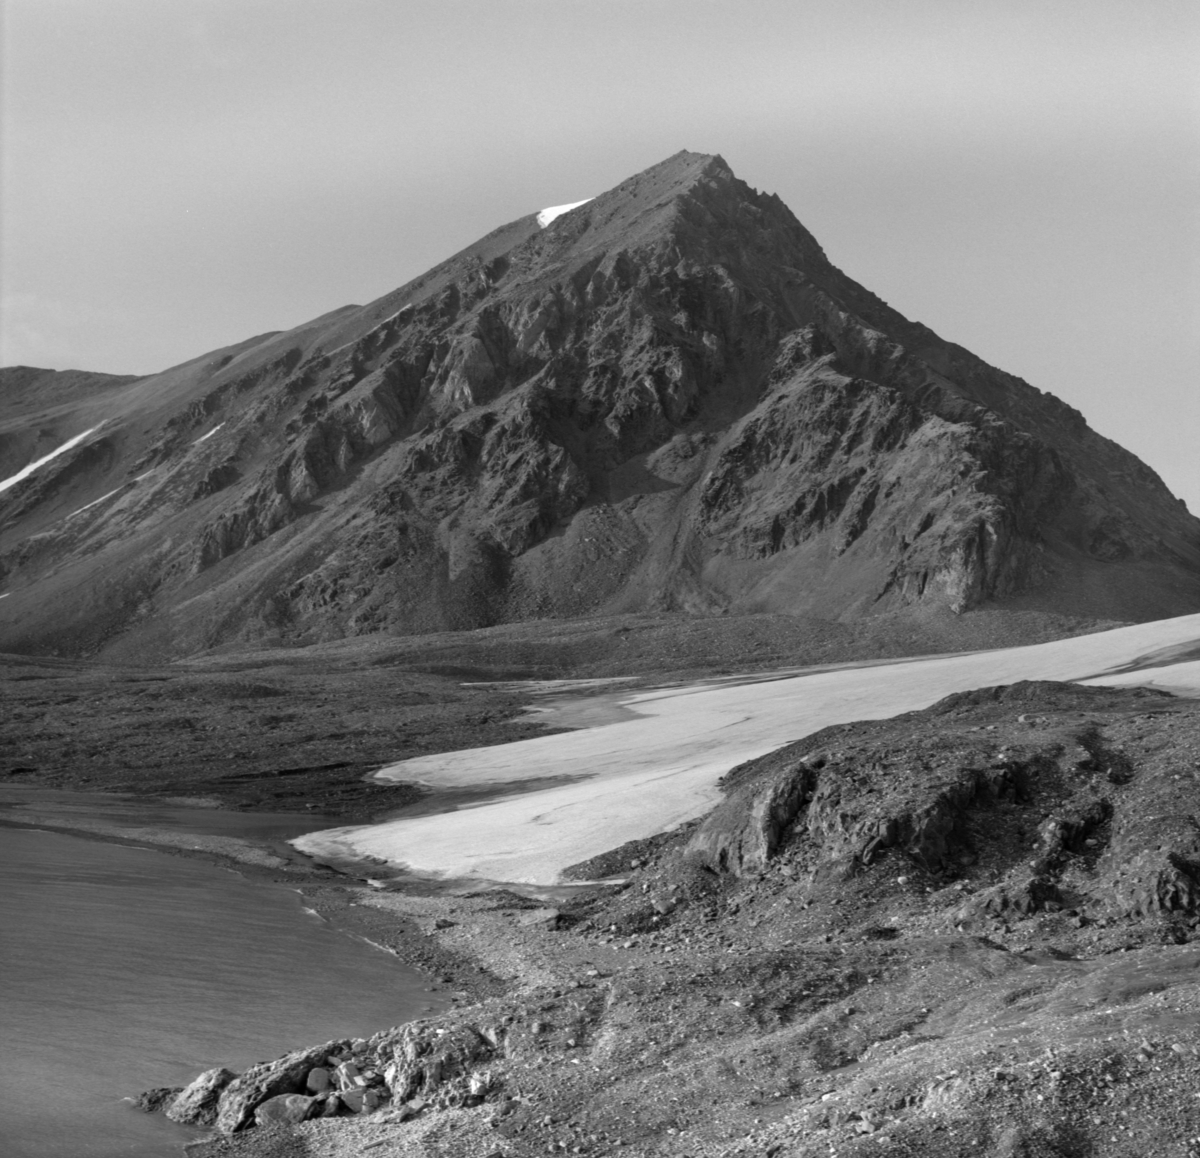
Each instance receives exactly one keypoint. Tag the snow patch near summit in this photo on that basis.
(547, 215)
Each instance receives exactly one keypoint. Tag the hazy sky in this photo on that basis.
(1022, 177)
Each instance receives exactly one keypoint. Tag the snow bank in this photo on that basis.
(547, 215)
(660, 768)
(25, 472)
(96, 502)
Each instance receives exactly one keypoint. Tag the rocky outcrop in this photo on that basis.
(438, 1061)
(242, 1097)
(153, 1100)
(1086, 826)
(404, 1071)
(197, 1104)
(741, 833)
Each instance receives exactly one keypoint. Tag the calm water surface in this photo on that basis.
(122, 968)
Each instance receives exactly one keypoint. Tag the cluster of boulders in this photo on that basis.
(338, 1086)
(402, 1071)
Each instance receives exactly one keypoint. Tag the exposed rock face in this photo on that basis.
(427, 1059)
(405, 1069)
(1087, 823)
(197, 1104)
(742, 832)
(151, 1101)
(241, 1098)
(667, 399)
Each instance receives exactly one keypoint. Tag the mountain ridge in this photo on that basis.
(667, 399)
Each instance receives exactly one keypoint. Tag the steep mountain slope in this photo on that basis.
(666, 399)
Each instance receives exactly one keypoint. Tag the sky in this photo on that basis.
(1023, 177)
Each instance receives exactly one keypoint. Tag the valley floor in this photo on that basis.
(967, 929)
(1028, 986)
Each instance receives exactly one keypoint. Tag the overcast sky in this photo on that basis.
(1022, 177)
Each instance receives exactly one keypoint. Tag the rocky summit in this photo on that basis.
(665, 399)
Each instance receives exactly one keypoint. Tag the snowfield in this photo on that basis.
(637, 776)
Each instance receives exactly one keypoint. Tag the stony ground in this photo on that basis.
(301, 730)
(969, 930)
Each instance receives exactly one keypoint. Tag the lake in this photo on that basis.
(123, 968)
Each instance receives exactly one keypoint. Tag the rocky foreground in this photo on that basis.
(967, 930)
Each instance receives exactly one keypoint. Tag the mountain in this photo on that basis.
(663, 399)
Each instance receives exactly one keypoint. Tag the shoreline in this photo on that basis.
(600, 1002)
(798, 1004)
(693, 1006)
(335, 895)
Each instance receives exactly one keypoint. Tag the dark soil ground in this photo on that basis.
(268, 736)
(291, 730)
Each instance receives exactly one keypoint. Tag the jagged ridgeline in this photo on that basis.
(665, 399)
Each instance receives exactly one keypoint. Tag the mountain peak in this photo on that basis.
(638, 203)
(661, 399)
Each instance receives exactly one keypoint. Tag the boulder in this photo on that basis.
(285, 1075)
(286, 1109)
(543, 918)
(347, 1077)
(427, 1057)
(318, 1080)
(361, 1101)
(197, 1104)
(151, 1101)
(742, 832)
(1157, 881)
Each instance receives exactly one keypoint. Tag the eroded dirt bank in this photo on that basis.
(966, 930)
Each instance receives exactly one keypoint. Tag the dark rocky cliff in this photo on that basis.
(668, 399)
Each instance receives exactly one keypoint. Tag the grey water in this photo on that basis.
(122, 968)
